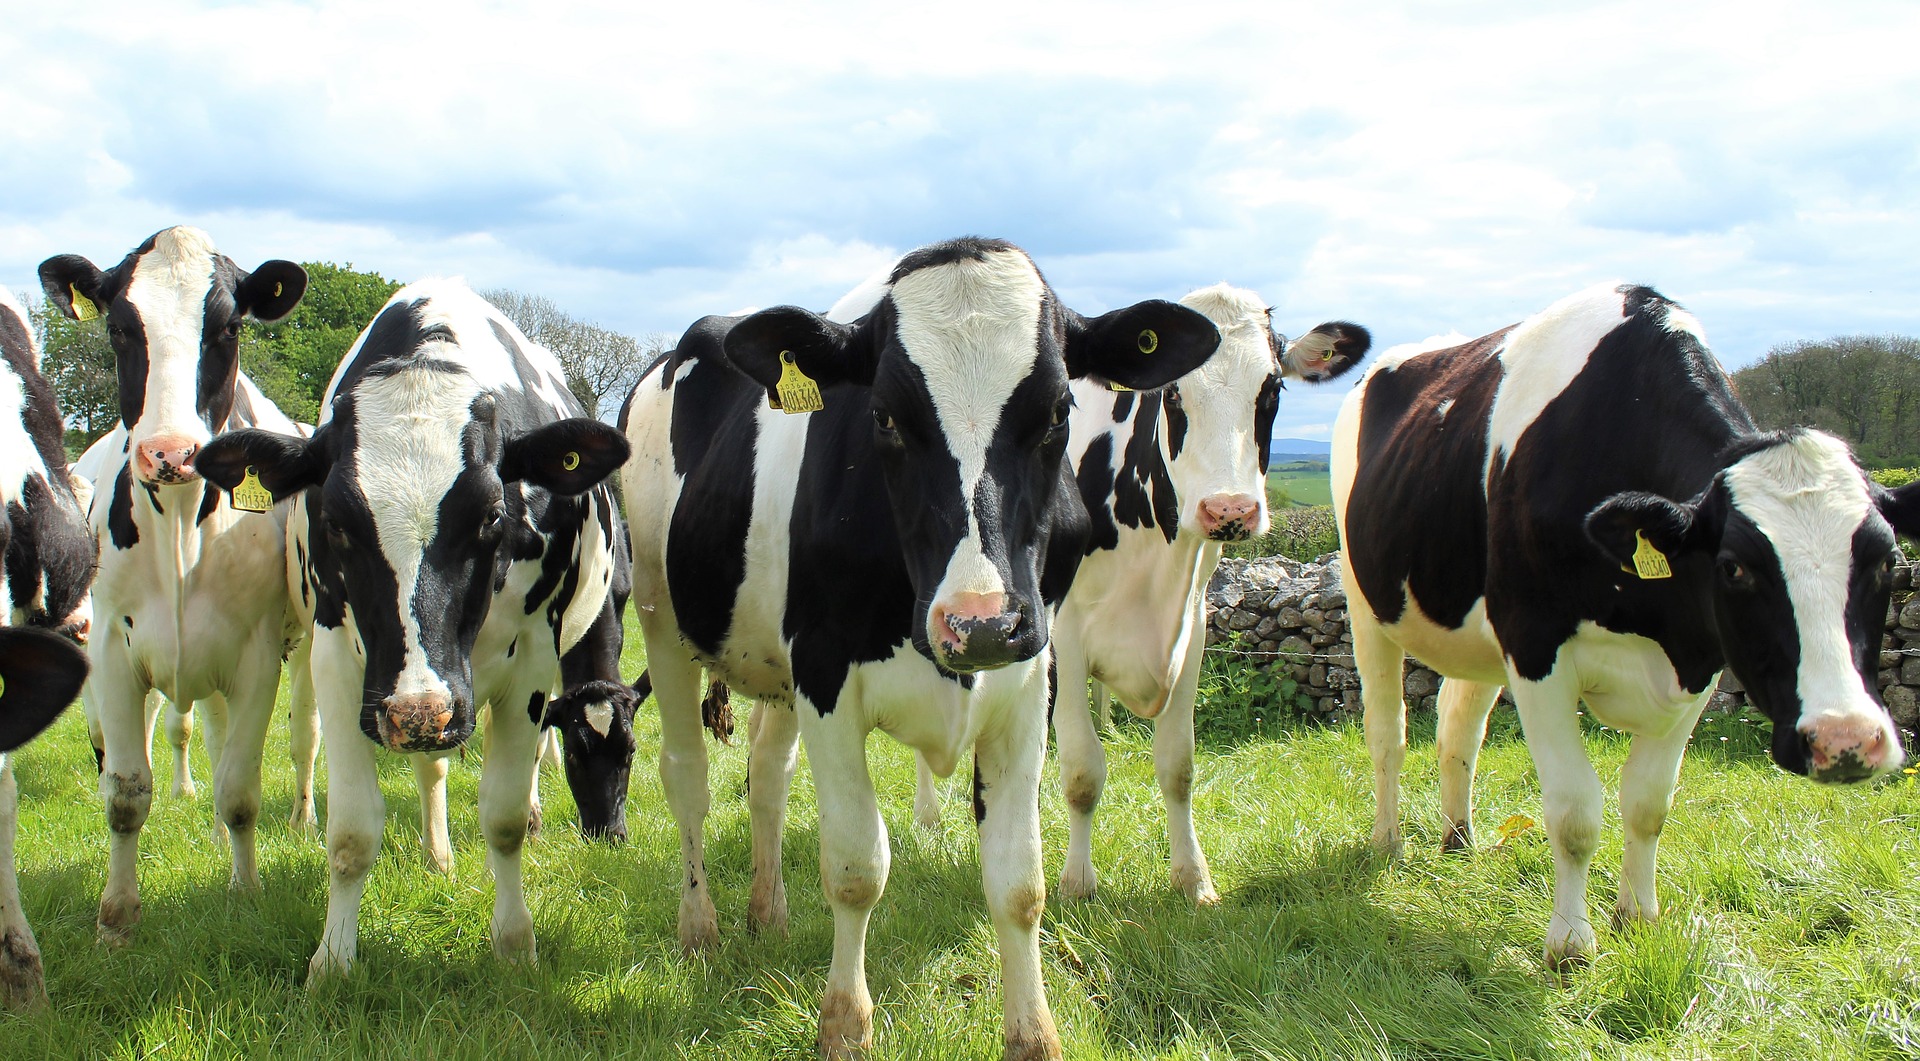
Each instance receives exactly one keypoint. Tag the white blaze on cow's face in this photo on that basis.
(1213, 438)
(168, 294)
(1815, 645)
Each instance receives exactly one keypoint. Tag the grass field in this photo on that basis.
(1305, 482)
(1792, 915)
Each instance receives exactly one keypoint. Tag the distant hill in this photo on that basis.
(1300, 447)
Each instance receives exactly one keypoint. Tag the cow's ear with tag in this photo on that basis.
(771, 346)
(566, 457)
(1141, 347)
(1644, 532)
(1327, 351)
(271, 291)
(76, 287)
(252, 459)
(40, 674)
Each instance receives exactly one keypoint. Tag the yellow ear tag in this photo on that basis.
(1649, 562)
(1149, 341)
(797, 391)
(83, 307)
(1513, 827)
(570, 461)
(250, 496)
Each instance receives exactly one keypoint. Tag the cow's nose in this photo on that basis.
(1228, 517)
(166, 459)
(416, 722)
(975, 631)
(1843, 748)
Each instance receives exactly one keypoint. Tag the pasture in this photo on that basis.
(1791, 915)
(1302, 482)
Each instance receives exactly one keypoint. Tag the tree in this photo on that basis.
(293, 359)
(1864, 388)
(78, 363)
(601, 365)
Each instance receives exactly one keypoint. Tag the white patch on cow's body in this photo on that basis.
(11, 304)
(1808, 497)
(755, 657)
(1542, 355)
(972, 327)
(19, 457)
(169, 289)
(600, 717)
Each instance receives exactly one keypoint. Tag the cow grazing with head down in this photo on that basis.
(190, 596)
(46, 562)
(889, 561)
(1578, 508)
(457, 542)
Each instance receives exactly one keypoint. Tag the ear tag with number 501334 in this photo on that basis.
(796, 391)
(249, 495)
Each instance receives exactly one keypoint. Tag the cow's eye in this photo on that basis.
(336, 532)
(1172, 396)
(1734, 573)
(232, 330)
(884, 421)
(1061, 410)
(491, 522)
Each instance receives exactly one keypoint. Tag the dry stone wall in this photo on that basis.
(1292, 615)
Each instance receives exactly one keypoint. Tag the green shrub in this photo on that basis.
(1893, 478)
(1297, 533)
(1245, 694)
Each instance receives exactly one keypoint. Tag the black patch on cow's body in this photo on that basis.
(1122, 406)
(209, 503)
(979, 795)
(1096, 493)
(153, 496)
(1143, 493)
(713, 436)
(121, 529)
(1265, 407)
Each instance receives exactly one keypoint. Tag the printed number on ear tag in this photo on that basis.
(1512, 827)
(83, 307)
(796, 392)
(570, 461)
(1149, 340)
(249, 495)
(1649, 562)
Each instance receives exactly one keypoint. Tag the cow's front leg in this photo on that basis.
(683, 776)
(23, 983)
(126, 783)
(1461, 729)
(1083, 763)
(506, 810)
(303, 734)
(1570, 796)
(853, 868)
(1007, 762)
(178, 726)
(355, 810)
(773, 734)
(236, 776)
(1173, 767)
(1380, 664)
(430, 782)
(1646, 795)
(926, 795)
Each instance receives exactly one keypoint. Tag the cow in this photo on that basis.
(455, 541)
(889, 561)
(46, 563)
(190, 595)
(1578, 508)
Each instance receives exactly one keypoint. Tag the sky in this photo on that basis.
(1420, 167)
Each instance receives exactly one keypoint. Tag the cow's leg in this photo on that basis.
(126, 783)
(773, 734)
(1007, 764)
(926, 795)
(179, 730)
(1464, 707)
(1083, 763)
(1102, 706)
(1173, 765)
(303, 734)
(23, 984)
(430, 781)
(212, 713)
(506, 810)
(1380, 663)
(236, 776)
(1570, 796)
(546, 751)
(683, 776)
(355, 809)
(1646, 795)
(853, 867)
(95, 735)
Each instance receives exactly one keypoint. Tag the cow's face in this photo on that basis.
(173, 310)
(597, 743)
(1797, 548)
(966, 360)
(415, 510)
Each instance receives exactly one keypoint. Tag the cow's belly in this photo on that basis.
(1469, 651)
(1128, 612)
(1626, 681)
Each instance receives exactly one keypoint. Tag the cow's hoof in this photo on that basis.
(23, 983)
(846, 1026)
(183, 789)
(927, 817)
(116, 922)
(1628, 915)
(1078, 883)
(767, 910)
(515, 946)
(438, 859)
(534, 821)
(1571, 952)
(1388, 844)
(1044, 1047)
(1195, 884)
(1459, 837)
(325, 967)
(699, 929)
(301, 821)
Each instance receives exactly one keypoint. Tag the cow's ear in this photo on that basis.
(1900, 508)
(1143, 346)
(566, 457)
(1672, 527)
(271, 291)
(40, 674)
(1327, 351)
(824, 351)
(284, 464)
(65, 277)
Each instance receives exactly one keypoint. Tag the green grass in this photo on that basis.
(1792, 913)
(1303, 482)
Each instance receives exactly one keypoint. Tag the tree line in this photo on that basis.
(292, 360)
(1863, 388)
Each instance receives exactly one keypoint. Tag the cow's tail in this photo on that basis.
(716, 711)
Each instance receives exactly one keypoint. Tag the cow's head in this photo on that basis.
(1219, 417)
(1796, 547)
(40, 674)
(595, 721)
(415, 508)
(173, 309)
(966, 358)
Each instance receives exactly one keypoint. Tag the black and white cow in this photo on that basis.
(1167, 478)
(46, 562)
(190, 598)
(1579, 508)
(456, 542)
(889, 561)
